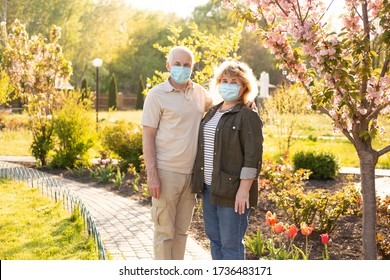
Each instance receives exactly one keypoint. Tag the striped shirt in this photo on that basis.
(208, 141)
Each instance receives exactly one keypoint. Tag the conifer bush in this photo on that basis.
(113, 94)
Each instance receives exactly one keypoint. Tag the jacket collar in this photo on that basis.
(235, 108)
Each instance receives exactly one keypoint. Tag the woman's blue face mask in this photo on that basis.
(229, 92)
(180, 74)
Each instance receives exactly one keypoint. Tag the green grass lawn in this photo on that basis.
(131, 115)
(15, 143)
(33, 227)
(309, 132)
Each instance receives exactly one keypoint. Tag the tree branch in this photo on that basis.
(327, 9)
(356, 10)
(280, 7)
(350, 138)
(377, 111)
(385, 67)
(384, 151)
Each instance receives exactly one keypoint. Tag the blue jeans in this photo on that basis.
(225, 228)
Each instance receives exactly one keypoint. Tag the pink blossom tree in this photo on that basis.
(345, 73)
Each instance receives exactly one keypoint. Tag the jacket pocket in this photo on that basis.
(227, 186)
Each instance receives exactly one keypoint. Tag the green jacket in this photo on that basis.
(238, 148)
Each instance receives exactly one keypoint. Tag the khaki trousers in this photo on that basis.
(172, 215)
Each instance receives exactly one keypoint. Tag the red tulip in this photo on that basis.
(278, 228)
(291, 231)
(270, 218)
(324, 238)
(305, 229)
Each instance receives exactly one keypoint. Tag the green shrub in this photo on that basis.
(74, 132)
(13, 122)
(42, 131)
(104, 173)
(282, 111)
(285, 188)
(125, 140)
(323, 165)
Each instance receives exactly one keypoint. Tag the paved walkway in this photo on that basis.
(125, 226)
(382, 182)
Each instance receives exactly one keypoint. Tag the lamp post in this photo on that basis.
(97, 63)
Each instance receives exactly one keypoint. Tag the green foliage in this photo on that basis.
(255, 243)
(323, 165)
(74, 133)
(272, 247)
(125, 140)
(34, 66)
(211, 17)
(286, 190)
(283, 110)
(119, 177)
(104, 173)
(85, 90)
(383, 219)
(209, 51)
(42, 139)
(5, 87)
(113, 93)
(12, 122)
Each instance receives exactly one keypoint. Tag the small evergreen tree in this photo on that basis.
(85, 91)
(113, 93)
(139, 105)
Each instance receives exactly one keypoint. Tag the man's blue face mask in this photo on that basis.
(180, 74)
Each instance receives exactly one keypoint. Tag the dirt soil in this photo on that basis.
(345, 241)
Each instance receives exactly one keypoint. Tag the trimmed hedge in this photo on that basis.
(324, 165)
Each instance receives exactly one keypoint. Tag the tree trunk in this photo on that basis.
(368, 160)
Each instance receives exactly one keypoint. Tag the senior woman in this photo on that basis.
(228, 161)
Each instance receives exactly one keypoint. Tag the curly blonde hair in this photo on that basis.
(240, 70)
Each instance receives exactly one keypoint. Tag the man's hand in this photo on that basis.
(149, 150)
(252, 105)
(154, 185)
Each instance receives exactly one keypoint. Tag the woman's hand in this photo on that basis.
(242, 196)
(242, 201)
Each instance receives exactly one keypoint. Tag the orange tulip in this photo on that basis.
(291, 231)
(270, 218)
(278, 228)
(305, 229)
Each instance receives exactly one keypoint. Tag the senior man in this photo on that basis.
(171, 117)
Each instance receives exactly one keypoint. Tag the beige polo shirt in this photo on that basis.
(177, 116)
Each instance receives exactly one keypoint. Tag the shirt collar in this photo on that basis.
(168, 87)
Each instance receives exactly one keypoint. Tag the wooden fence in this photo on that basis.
(125, 101)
